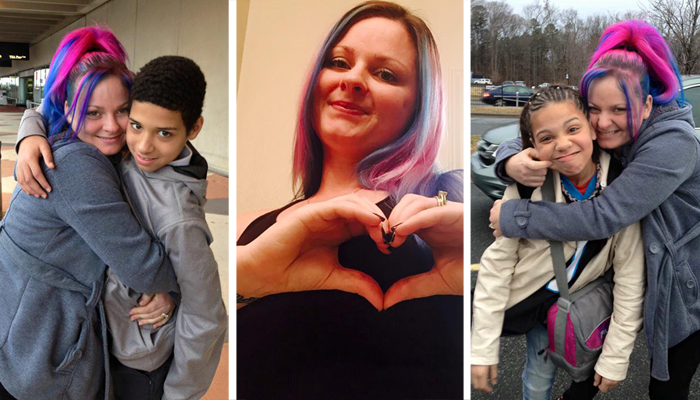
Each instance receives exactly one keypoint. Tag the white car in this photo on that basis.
(482, 81)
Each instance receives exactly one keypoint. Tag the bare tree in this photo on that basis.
(499, 17)
(678, 20)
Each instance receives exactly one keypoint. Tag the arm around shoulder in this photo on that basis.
(89, 199)
(505, 151)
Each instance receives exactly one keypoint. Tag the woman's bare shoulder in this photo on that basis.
(243, 220)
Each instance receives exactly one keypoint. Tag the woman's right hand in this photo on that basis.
(526, 168)
(30, 177)
(300, 252)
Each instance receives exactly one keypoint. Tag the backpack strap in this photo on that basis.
(556, 247)
(525, 192)
(559, 264)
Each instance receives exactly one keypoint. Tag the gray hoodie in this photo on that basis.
(661, 187)
(169, 204)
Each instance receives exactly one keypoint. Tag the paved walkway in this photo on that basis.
(216, 214)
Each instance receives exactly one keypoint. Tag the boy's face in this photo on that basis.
(156, 135)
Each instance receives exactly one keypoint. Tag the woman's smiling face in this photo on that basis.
(608, 112)
(106, 117)
(366, 93)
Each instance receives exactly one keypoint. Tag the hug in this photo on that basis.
(638, 117)
(120, 237)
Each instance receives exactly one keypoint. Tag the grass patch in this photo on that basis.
(474, 139)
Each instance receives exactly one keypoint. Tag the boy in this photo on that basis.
(165, 183)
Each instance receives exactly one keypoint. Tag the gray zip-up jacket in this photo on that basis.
(53, 256)
(169, 204)
(660, 186)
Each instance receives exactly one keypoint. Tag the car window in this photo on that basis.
(692, 96)
(509, 89)
(523, 90)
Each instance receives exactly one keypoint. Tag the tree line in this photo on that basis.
(546, 43)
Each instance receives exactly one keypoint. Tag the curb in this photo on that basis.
(509, 111)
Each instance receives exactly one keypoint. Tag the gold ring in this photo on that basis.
(164, 315)
(491, 226)
(441, 198)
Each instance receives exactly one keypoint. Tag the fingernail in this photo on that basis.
(389, 237)
(380, 217)
(391, 249)
(393, 228)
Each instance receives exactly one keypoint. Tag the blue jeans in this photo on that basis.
(538, 374)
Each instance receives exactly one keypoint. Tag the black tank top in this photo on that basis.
(335, 345)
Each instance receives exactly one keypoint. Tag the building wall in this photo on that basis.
(152, 28)
(280, 42)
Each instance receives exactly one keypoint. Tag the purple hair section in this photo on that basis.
(643, 39)
(75, 51)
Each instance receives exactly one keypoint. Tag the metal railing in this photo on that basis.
(477, 91)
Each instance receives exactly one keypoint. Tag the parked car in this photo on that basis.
(507, 83)
(543, 85)
(482, 161)
(507, 95)
(520, 83)
(482, 81)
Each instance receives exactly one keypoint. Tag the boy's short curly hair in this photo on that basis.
(172, 82)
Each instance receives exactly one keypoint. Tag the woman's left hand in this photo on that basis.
(441, 228)
(153, 309)
(604, 384)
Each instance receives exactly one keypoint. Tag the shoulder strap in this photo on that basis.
(556, 247)
(525, 192)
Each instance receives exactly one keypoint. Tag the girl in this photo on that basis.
(515, 285)
(633, 69)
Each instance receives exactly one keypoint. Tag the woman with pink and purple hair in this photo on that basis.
(374, 216)
(634, 93)
(53, 334)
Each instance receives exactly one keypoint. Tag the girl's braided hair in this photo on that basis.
(550, 94)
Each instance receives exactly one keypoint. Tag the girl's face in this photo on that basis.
(366, 92)
(563, 135)
(608, 111)
(107, 116)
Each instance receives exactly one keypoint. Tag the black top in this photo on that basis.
(335, 345)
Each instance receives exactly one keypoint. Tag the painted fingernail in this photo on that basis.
(391, 249)
(380, 217)
(389, 237)
(393, 228)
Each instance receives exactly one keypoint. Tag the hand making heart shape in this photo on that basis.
(442, 228)
(300, 252)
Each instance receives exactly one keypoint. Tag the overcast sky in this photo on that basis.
(585, 8)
